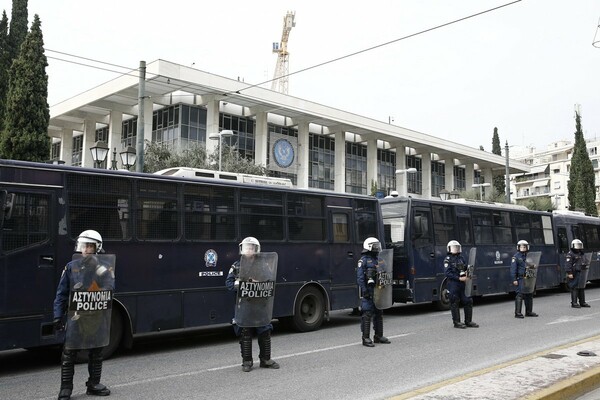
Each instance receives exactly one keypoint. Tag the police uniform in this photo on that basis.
(454, 266)
(245, 334)
(367, 266)
(75, 270)
(518, 267)
(574, 263)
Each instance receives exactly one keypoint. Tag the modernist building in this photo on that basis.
(314, 145)
(549, 174)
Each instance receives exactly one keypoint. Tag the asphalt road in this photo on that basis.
(328, 364)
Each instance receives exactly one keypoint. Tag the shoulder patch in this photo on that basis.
(360, 263)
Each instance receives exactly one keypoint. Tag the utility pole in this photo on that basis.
(507, 174)
(140, 122)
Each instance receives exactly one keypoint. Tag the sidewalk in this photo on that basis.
(558, 373)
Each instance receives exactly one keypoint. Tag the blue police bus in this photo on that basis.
(571, 225)
(175, 239)
(418, 231)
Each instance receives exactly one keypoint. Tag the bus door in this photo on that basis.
(426, 283)
(27, 265)
(563, 243)
(343, 255)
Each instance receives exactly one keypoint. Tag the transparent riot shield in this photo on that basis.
(382, 293)
(532, 263)
(256, 290)
(585, 269)
(90, 301)
(470, 272)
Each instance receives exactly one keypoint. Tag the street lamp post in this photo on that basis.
(99, 153)
(481, 186)
(128, 157)
(406, 172)
(219, 136)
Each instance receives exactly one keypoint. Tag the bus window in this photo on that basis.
(421, 225)
(591, 236)
(502, 227)
(563, 240)
(261, 214)
(547, 228)
(464, 230)
(443, 219)
(209, 213)
(28, 223)
(578, 233)
(306, 219)
(340, 228)
(482, 226)
(365, 215)
(157, 213)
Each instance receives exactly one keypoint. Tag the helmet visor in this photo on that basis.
(248, 248)
(376, 247)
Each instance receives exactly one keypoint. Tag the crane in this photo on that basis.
(280, 79)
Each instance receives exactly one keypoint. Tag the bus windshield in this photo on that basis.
(394, 219)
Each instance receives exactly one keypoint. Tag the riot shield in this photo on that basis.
(585, 269)
(256, 290)
(90, 301)
(532, 263)
(470, 272)
(382, 293)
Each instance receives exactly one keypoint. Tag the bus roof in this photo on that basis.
(187, 172)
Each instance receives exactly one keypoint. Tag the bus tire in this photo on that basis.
(443, 304)
(309, 310)
(116, 335)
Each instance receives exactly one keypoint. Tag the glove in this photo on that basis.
(58, 325)
(366, 296)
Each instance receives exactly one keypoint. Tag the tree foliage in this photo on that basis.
(25, 132)
(499, 181)
(582, 190)
(18, 27)
(5, 62)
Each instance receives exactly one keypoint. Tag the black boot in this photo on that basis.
(67, 370)
(246, 343)
(94, 387)
(574, 299)
(518, 306)
(581, 294)
(264, 344)
(469, 316)
(365, 326)
(455, 311)
(529, 306)
(378, 337)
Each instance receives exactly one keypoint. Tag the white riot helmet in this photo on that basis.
(372, 244)
(249, 245)
(576, 244)
(454, 247)
(89, 236)
(522, 243)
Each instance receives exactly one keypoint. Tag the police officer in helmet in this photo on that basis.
(249, 247)
(574, 262)
(89, 243)
(367, 268)
(518, 268)
(455, 270)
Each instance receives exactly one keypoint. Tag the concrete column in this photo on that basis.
(426, 175)
(401, 179)
(66, 146)
(115, 130)
(261, 135)
(488, 175)
(469, 179)
(340, 162)
(449, 174)
(303, 150)
(372, 164)
(212, 125)
(89, 138)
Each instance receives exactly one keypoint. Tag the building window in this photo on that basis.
(321, 155)
(438, 178)
(77, 151)
(243, 139)
(129, 133)
(460, 182)
(386, 166)
(415, 181)
(356, 168)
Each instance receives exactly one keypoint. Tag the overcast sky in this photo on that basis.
(521, 68)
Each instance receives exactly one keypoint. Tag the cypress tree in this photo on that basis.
(4, 64)
(18, 28)
(25, 133)
(499, 180)
(582, 189)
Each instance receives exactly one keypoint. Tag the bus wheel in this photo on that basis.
(443, 304)
(116, 334)
(309, 310)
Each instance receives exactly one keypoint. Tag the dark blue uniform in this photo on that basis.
(367, 266)
(518, 267)
(454, 265)
(574, 263)
(245, 334)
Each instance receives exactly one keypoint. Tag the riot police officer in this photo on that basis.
(574, 264)
(455, 270)
(518, 268)
(249, 247)
(88, 244)
(365, 276)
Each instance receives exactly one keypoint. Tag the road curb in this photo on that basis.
(570, 388)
